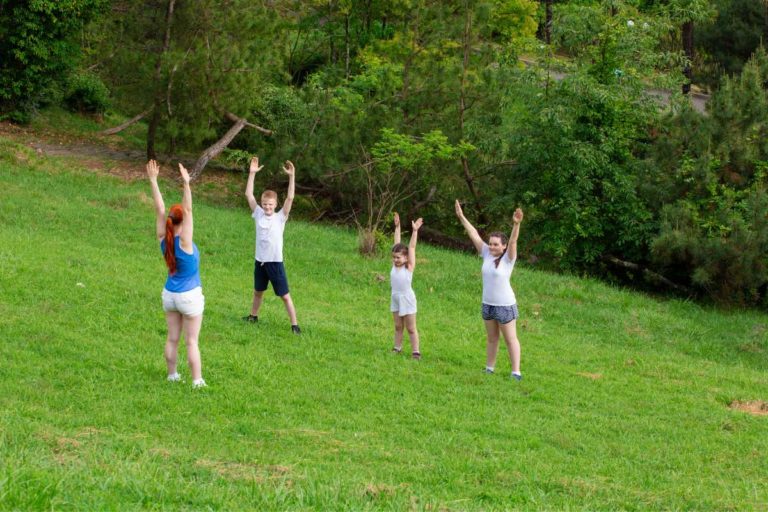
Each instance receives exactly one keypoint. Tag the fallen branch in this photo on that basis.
(650, 275)
(217, 147)
(232, 117)
(121, 127)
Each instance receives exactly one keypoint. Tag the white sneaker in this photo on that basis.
(174, 378)
(199, 383)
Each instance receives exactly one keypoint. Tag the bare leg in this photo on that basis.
(174, 321)
(413, 333)
(258, 297)
(191, 332)
(289, 308)
(492, 349)
(509, 330)
(398, 331)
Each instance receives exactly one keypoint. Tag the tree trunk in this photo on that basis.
(687, 40)
(548, 21)
(216, 148)
(131, 121)
(468, 178)
(155, 119)
(765, 23)
(346, 42)
(221, 144)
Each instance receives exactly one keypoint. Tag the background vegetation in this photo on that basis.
(571, 109)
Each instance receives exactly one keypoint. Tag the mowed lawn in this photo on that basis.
(624, 403)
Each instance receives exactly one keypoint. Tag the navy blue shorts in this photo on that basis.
(502, 314)
(270, 271)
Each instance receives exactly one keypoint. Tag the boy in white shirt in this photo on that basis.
(270, 225)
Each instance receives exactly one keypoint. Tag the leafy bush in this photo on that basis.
(37, 49)
(87, 94)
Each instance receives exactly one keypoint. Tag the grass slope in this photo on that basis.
(624, 403)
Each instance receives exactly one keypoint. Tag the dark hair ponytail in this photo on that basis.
(175, 216)
(503, 238)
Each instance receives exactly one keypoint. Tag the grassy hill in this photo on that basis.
(625, 402)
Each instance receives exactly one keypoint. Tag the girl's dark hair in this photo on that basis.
(501, 236)
(400, 248)
(175, 216)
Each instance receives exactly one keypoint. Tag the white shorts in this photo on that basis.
(189, 303)
(403, 303)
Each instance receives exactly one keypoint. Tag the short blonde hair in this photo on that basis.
(269, 194)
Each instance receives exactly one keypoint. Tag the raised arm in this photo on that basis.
(152, 171)
(415, 225)
(471, 231)
(290, 170)
(517, 218)
(255, 167)
(186, 204)
(397, 228)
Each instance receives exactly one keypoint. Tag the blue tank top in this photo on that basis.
(187, 276)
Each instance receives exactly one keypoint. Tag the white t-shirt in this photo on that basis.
(496, 288)
(269, 234)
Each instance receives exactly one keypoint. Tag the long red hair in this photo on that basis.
(175, 216)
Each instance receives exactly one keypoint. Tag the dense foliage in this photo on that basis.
(408, 104)
(38, 49)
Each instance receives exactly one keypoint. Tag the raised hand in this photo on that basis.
(255, 167)
(518, 216)
(416, 224)
(459, 211)
(397, 220)
(288, 168)
(152, 169)
(184, 173)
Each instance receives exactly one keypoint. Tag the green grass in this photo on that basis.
(332, 420)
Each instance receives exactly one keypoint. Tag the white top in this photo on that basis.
(269, 235)
(401, 279)
(496, 288)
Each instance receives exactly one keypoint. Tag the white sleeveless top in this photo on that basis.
(401, 279)
(496, 288)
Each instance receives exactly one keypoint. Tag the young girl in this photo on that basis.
(499, 304)
(403, 305)
(183, 299)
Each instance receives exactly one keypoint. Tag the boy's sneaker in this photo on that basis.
(488, 370)
(296, 329)
(251, 318)
(174, 378)
(199, 383)
(517, 376)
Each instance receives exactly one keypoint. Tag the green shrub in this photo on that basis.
(87, 94)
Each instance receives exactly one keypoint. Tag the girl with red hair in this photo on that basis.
(183, 300)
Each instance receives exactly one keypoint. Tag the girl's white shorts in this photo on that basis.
(189, 303)
(403, 303)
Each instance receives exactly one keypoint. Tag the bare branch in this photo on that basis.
(123, 126)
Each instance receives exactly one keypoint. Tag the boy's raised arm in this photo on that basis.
(290, 170)
(255, 167)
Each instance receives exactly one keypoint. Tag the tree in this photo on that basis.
(38, 49)
(202, 80)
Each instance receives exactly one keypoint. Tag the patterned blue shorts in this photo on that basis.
(502, 314)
